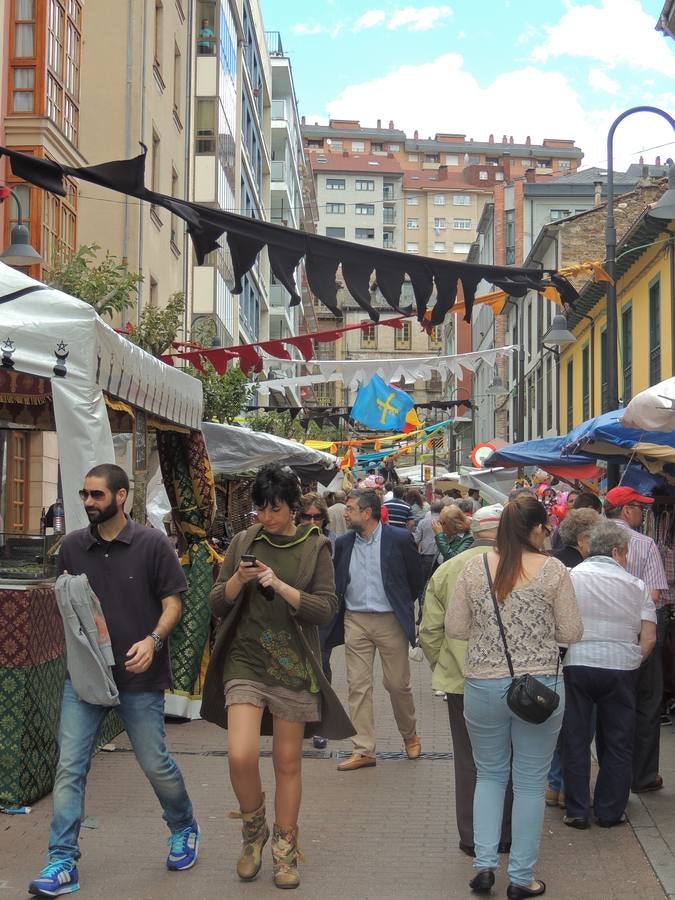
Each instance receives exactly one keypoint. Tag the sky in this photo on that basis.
(560, 69)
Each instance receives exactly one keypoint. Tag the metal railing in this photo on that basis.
(274, 45)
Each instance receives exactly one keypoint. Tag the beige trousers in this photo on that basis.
(364, 634)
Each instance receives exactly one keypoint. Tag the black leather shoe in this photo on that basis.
(504, 848)
(516, 892)
(467, 848)
(576, 823)
(482, 883)
(319, 742)
(607, 823)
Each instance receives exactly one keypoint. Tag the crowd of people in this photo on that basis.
(553, 585)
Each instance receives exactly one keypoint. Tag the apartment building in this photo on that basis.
(135, 87)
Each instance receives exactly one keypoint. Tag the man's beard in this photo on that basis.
(97, 516)
(355, 526)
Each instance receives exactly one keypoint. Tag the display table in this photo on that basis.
(32, 669)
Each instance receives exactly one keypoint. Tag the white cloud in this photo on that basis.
(370, 19)
(526, 101)
(600, 81)
(617, 32)
(304, 28)
(422, 19)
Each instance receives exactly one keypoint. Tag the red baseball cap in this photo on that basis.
(620, 496)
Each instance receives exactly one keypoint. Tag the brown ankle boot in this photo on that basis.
(254, 835)
(285, 855)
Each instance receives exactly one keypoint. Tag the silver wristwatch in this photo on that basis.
(159, 642)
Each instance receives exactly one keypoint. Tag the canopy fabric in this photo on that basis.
(52, 335)
(605, 437)
(323, 256)
(547, 454)
(653, 409)
(235, 451)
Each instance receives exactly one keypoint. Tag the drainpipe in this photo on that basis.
(127, 137)
(187, 255)
(141, 205)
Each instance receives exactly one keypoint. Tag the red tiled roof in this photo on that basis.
(353, 162)
(425, 181)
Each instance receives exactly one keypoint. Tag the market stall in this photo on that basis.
(65, 371)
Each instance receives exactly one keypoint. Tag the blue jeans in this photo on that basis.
(143, 717)
(494, 730)
(555, 775)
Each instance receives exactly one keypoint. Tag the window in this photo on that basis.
(369, 338)
(435, 336)
(413, 157)
(335, 145)
(461, 248)
(174, 219)
(63, 66)
(413, 223)
(365, 234)
(154, 293)
(159, 23)
(432, 157)
(585, 384)
(413, 200)
(365, 209)
(412, 247)
(394, 148)
(461, 200)
(543, 164)
(402, 337)
(451, 159)
(510, 236)
(570, 394)
(439, 199)
(655, 332)
(440, 247)
(389, 215)
(365, 184)
(492, 160)
(314, 144)
(462, 224)
(439, 222)
(154, 162)
(472, 159)
(335, 232)
(177, 80)
(564, 165)
(23, 96)
(388, 240)
(24, 29)
(335, 184)
(358, 146)
(482, 175)
(18, 483)
(627, 347)
(377, 148)
(556, 214)
(499, 176)
(205, 125)
(335, 209)
(59, 215)
(388, 190)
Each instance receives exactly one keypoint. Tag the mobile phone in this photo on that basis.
(248, 558)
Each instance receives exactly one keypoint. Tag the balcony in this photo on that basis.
(388, 194)
(274, 45)
(388, 216)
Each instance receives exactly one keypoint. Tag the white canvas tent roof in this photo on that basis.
(652, 409)
(35, 322)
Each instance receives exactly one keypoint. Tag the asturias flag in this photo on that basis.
(381, 406)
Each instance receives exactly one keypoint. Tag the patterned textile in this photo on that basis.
(31, 630)
(189, 484)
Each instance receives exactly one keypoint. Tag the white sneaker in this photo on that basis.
(416, 653)
(439, 693)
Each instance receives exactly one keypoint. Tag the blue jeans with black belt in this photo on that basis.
(143, 717)
(495, 732)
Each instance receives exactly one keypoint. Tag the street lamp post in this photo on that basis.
(610, 266)
(20, 252)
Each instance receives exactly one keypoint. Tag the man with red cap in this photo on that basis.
(626, 507)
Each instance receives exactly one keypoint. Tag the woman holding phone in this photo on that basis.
(275, 587)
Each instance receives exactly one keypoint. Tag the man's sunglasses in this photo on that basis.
(95, 495)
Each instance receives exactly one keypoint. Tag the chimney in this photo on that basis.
(511, 139)
(530, 176)
(597, 193)
(504, 139)
(302, 120)
(491, 139)
(416, 135)
(642, 160)
(528, 142)
(391, 125)
(442, 173)
(658, 161)
(379, 123)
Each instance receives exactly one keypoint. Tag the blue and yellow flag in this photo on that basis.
(380, 406)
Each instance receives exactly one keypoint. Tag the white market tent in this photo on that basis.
(652, 409)
(49, 334)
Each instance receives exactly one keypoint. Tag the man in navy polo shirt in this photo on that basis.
(135, 573)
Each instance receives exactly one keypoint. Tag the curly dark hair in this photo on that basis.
(276, 484)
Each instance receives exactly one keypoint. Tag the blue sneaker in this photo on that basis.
(183, 848)
(58, 877)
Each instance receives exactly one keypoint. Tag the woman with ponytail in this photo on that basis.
(539, 611)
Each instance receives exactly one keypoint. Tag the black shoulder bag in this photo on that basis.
(527, 697)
